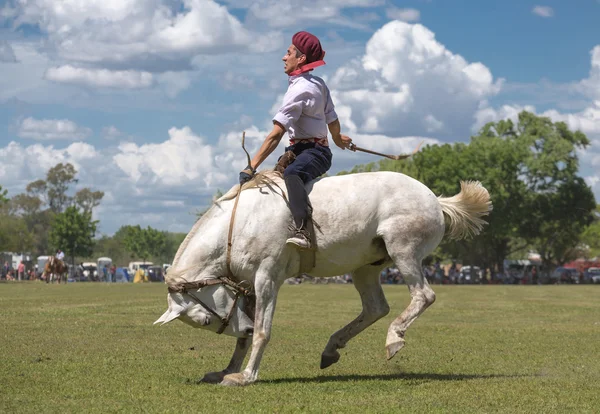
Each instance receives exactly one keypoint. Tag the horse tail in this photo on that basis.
(465, 209)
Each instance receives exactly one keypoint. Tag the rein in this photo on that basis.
(238, 288)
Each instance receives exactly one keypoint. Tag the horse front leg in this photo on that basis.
(266, 291)
(235, 365)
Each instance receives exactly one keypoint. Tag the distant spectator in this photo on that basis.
(21, 271)
(5, 269)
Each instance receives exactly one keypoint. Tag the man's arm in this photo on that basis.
(269, 145)
(342, 141)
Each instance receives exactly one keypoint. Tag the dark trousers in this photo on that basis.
(311, 162)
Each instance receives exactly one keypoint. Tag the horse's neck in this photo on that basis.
(206, 242)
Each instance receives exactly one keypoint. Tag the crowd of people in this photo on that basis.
(22, 272)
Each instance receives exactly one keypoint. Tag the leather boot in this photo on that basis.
(300, 208)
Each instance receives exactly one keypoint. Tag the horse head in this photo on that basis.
(196, 308)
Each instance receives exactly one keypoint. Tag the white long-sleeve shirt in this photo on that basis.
(307, 108)
(60, 256)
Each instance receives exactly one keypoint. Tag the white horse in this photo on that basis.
(367, 222)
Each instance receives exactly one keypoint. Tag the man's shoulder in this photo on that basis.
(307, 83)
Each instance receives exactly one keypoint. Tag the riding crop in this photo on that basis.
(353, 147)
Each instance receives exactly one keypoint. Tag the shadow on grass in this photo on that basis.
(409, 376)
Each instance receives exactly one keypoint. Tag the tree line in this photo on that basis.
(49, 215)
(530, 168)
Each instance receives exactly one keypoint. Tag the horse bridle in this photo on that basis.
(238, 289)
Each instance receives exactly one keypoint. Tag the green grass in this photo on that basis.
(87, 348)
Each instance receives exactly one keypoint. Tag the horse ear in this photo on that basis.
(167, 317)
(163, 317)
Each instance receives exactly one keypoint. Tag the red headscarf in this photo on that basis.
(309, 45)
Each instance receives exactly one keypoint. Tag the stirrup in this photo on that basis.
(301, 238)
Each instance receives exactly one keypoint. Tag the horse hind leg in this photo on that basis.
(422, 296)
(375, 307)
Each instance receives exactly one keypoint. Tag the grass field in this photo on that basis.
(87, 348)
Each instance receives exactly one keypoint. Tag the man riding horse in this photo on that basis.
(306, 114)
(226, 278)
(55, 266)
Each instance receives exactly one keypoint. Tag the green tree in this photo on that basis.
(87, 199)
(3, 198)
(38, 189)
(73, 232)
(590, 237)
(58, 180)
(145, 243)
(14, 235)
(29, 207)
(530, 170)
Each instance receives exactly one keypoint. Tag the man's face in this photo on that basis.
(291, 62)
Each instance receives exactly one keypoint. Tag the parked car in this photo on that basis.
(565, 275)
(592, 275)
(90, 271)
(155, 274)
(134, 266)
(469, 275)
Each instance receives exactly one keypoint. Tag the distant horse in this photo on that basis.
(55, 269)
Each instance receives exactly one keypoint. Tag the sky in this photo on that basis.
(148, 98)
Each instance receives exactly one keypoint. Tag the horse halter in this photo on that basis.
(238, 289)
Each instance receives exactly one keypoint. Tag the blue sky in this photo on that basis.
(148, 98)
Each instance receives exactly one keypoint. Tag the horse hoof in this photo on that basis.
(213, 377)
(234, 380)
(393, 348)
(329, 360)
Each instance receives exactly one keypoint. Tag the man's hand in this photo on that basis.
(344, 142)
(246, 175)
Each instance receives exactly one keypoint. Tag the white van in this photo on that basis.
(90, 270)
(41, 262)
(134, 266)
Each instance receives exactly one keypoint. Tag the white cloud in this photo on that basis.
(543, 11)
(7, 53)
(489, 114)
(291, 13)
(20, 165)
(405, 15)
(103, 78)
(138, 34)
(591, 86)
(52, 129)
(183, 158)
(407, 83)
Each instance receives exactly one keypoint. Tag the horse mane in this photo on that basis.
(267, 178)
